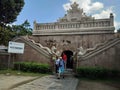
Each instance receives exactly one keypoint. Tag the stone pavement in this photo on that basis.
(50, 83)
(34, 83)
(8, 81)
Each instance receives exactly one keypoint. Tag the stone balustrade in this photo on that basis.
(68, 25)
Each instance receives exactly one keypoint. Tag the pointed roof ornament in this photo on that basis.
(74, 5)
(75, 14)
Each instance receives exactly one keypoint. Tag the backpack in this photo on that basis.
(60, 64)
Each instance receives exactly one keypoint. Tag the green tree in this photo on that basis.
(9, 10)
(9, 32)
(23, 29)
(5, 35)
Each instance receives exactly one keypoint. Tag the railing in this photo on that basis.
(99, 48)
(53, 26)
(34, 46)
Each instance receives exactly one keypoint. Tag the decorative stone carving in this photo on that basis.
(75, 14)
(65, 42)
(81, 51)
(38, 44)
(55, 51)
(75, 21)
(50, 42)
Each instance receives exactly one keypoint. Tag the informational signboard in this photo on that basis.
(15, 47)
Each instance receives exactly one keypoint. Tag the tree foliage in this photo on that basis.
(5, 35)
(23, 29)
(9, 10)
(9, 32)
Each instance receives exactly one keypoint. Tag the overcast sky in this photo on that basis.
(44, 11)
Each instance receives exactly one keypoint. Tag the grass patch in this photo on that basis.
(15, 72)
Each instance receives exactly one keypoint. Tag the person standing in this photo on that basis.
(64, 57)
(71, 61)
(57, 65)
(61, 68)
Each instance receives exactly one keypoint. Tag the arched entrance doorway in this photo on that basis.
(69, 55)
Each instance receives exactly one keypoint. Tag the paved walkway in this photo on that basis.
(9, 81)
(50, 83)
(45, 83)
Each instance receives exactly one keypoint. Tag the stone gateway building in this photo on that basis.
(85, 40)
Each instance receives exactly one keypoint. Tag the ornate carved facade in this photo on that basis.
(74, 30)
(75, 22)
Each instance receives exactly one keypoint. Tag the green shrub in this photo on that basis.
(32, 67)
(97, 72)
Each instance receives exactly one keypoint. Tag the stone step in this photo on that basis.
(69, 72)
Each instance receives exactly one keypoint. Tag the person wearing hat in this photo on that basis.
(61, 68)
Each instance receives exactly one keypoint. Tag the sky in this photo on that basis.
(46, 11)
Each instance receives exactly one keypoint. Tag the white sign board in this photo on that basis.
(15, 47)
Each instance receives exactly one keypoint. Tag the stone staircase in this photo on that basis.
(100, 48)
(89, 52)
(34, 46)
(69, 72)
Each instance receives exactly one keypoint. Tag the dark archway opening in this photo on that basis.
(69, 55)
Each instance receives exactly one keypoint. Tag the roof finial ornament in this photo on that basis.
(74, 5)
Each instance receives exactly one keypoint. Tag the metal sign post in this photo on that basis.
(8, 66)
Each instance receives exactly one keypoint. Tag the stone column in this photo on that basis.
(111, 19)
(34, 23)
